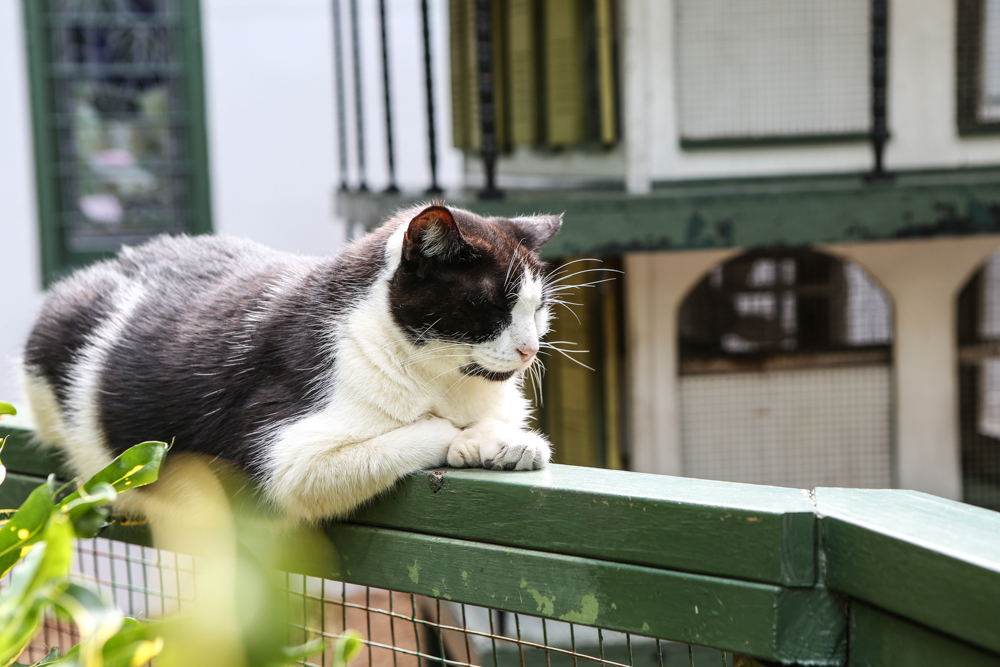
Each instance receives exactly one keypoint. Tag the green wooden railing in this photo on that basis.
(785, 576)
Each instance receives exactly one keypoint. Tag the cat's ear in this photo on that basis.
(433, 233)
(535, 231)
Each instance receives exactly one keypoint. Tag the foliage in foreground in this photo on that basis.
(40, 536)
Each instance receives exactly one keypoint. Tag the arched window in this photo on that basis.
(979, 385)
(785, 373)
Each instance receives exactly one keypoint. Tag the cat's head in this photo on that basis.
(476, 283)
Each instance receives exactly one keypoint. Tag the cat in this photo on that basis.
(326, 379)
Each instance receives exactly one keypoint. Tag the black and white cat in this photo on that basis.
(326, 379)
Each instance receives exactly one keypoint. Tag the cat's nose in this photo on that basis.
(527, 352)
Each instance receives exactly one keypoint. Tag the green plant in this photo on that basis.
(40, 534)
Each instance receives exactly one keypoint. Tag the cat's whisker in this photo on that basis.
(562, 268)
(575, 361)
(560, 277)
(564, 288)
(510, 264)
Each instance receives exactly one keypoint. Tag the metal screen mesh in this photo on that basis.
(979, 385)
(978, 62)
(772, 68)
(785, 363)
(399, 629)
(116, 71)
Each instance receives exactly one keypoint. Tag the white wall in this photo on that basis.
(272, 146)
(408, 96)
(20, 274)
(269, 88)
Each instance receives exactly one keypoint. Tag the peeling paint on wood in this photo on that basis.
(749, 212)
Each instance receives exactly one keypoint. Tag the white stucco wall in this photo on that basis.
(20, 274)
(272, 146)
(269, 99)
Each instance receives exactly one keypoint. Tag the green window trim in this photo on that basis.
(57, 256)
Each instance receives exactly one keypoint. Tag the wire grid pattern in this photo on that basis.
(979, 387)
(403, 629)
(117, 74)
(398, 629)
(786, 373)
(772, 68)
(143, 582)
(799, 428)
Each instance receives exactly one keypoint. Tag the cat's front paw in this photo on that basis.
(496, 445)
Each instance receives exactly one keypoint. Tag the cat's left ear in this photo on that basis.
(535, 231)
(433, 234)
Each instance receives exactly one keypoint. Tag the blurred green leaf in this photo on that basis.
(348, 647)
(7, 409)
(293, 654)
(25, 527)
(86, 511)
(49, 658)
(42, 576)
(97, 620)
(135, 467)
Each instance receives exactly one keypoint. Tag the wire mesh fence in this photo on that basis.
(398, 629)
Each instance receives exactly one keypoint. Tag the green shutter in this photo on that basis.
(522, 50)
(564, 69)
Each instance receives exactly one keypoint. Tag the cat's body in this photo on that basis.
(326, 379)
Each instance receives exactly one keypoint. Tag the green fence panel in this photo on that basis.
(758, 533)
(834, 577)
(931, 560)
(880, 639)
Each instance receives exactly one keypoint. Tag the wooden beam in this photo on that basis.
(930, 560)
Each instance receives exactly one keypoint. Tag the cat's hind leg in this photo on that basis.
(44, 410)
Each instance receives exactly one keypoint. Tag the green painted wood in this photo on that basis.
(16, 488)
(758, 533)
(933, 561)
(23, 454)
(43, 140)
(879, 639)
(196, 127)
(741, 212)
(805, 626)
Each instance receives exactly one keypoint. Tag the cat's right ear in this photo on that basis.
(433, 233)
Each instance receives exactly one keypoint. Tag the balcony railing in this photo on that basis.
(759, 574)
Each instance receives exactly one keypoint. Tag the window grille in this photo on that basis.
(979, 385)
(785, 373)
(772, 70)
(119, 125)
(978, 65)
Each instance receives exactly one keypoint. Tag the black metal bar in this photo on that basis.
(879, 88)
(388, 102)
(429, 83)
(359, 115)
(341, 111)
(487, 112)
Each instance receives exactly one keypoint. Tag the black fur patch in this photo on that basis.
(223, 338)
(465, 295)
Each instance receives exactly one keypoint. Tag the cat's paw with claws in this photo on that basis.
(496, 445)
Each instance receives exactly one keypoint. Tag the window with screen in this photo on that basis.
(785, 373)
(772, 70)
(978, 61)
(119, 129)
